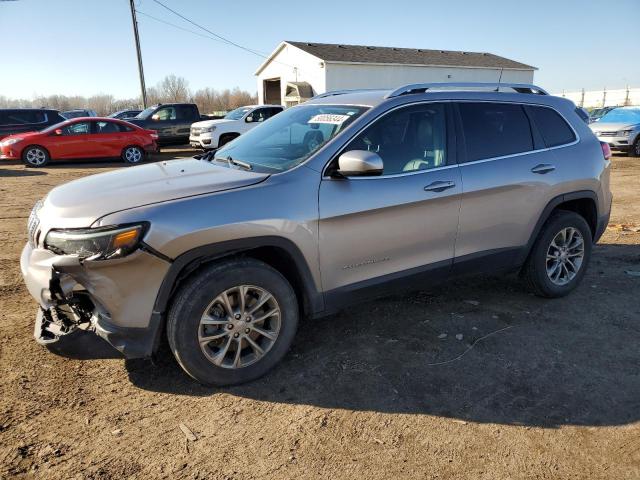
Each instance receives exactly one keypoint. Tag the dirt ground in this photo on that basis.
(372, 392)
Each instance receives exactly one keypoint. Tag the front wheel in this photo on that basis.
(560, 255)
(634, 151)
(35, 156)
(232, 322)
(133, 154)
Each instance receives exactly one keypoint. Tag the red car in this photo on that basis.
(85, 137)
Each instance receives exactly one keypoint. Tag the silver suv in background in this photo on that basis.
(620, 128)
(347, 196)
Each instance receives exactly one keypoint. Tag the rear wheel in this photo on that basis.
(35, 156)
(232, 322)
(133, 154)
(559, 258)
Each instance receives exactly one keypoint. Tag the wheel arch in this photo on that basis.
(228, 135)
(277, 252)
(583, 202)
(24, 149)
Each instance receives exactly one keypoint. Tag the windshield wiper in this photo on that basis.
(238, 163)
(230, 161)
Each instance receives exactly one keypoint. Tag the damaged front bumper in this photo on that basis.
(113, 298)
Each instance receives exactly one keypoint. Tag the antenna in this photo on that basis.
(499, 80)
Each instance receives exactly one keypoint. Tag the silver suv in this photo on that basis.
(349, 195)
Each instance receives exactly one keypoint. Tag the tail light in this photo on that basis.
(606, 150)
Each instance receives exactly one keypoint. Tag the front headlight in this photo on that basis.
(623, 133)
(10, 141)
(102, 243)
(207, 129)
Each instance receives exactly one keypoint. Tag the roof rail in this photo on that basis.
(423, 87)
(342, 92)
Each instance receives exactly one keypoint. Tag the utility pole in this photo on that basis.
(137, 38)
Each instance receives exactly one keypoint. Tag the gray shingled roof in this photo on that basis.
(407, 56)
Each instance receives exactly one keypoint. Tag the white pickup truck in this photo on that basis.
(212, 134)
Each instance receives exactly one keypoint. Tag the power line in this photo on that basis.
(178, 26)
(224, 39)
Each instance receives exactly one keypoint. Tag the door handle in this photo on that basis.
(543, 168)
(439, 186)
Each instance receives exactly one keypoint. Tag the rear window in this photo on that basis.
(495, 130)
(553, 128)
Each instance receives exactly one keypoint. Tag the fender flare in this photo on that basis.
(191, 259)
(553, 204)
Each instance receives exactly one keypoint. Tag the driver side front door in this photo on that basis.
(398, 225)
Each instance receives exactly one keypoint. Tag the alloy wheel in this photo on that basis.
(36, 156)
(133, 154)
(239, 326)
(565, 256)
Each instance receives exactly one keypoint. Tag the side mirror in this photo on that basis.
(359, 163)
(155, 117)
(249, 119)
(58, 131)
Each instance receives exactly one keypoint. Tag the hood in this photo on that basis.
(22, 135)
(81, 202)
(210, 123)
(611, 127)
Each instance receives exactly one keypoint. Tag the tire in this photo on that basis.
(214, 362)
(226, 138)
(132, 154)
(35, 156)
(634, 151)
(539, 272)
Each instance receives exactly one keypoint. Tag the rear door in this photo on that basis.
(109, 139)
(376, 228)
(508, 176)
(187, 114)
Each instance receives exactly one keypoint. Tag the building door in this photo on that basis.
(272, 92)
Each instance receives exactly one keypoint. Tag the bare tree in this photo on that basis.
(170, 89)
(174, 89)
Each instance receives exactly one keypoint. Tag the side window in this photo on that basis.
(408, 139)
(81, 128)
(21, 117)
(495, 129)
(107, 127)
(274, 111)
(165, 114)
(552, 126)
(186, 112)
(260, 115)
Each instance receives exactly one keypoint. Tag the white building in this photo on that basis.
(296, 71)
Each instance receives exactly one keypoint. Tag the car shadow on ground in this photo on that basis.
(508, 357)
(20, 173)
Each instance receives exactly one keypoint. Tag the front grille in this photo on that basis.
(606, 134)
(195, 132)
(33, 223)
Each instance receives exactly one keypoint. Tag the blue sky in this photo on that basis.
(86, 46)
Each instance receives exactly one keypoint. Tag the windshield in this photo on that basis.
(146, 112)
(54, 127)
(622, 115)
(290, 137)
(237, 114)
